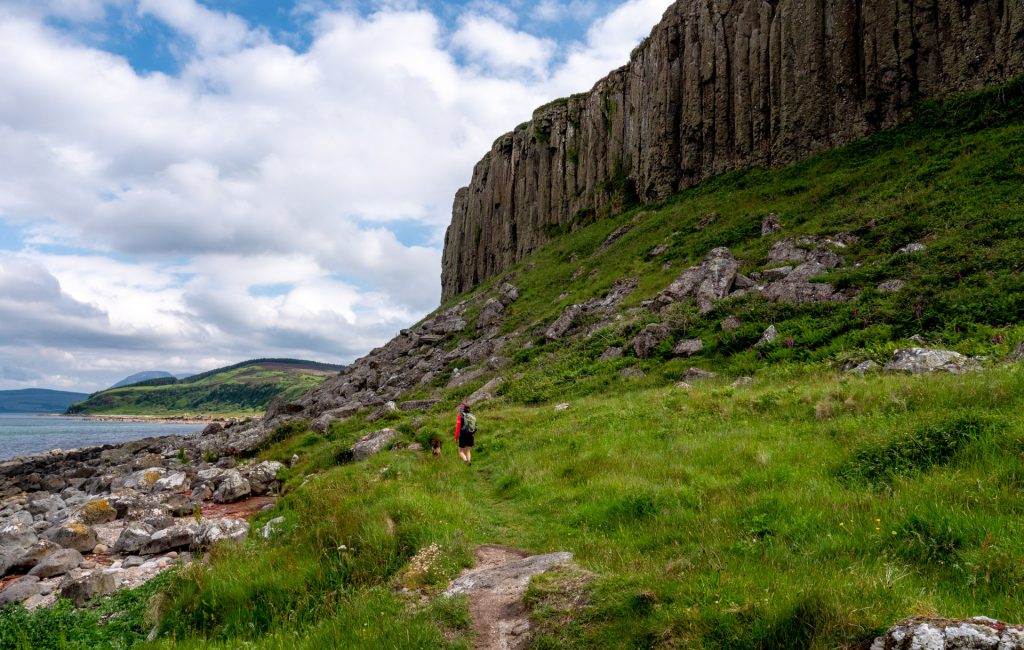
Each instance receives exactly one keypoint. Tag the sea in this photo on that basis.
(25, 434)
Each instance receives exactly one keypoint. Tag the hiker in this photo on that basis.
(465, 431)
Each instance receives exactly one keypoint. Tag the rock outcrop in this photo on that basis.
(946, 634)
(720, 86)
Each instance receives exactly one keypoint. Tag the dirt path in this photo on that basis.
(495, 587)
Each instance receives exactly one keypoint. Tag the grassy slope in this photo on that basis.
(241, 389)
(805, 510)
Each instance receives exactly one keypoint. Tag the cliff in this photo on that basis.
(721, 85)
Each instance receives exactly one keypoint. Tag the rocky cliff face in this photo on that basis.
(721, 85)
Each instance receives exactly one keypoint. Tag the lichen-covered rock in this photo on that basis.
(173, 482)
(97, 511)
(232, 487)
(768, 337)
(373, 443)
(262, 477)
(73, 534)
(708, 282)
(978, 633)
(221, 530)
(922, 360)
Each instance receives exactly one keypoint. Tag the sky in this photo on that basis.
(188, 184)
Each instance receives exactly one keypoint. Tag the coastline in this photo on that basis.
(153, 419)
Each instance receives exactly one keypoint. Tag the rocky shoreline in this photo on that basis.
(82, 523)
(147, 419)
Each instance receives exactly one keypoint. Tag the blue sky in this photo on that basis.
(186, 183)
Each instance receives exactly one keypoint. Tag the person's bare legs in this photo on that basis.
(462, 453)
(469, 455)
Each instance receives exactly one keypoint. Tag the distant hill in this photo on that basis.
(242, 388)
(37, 400)
(143, 376)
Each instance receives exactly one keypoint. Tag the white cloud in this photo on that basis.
(256, 203)
(501, 48)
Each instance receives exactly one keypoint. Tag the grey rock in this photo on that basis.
(742, 381)
(417, 405)
(262, 477)
(44, 504)
(910, 249)
(508, 294)
(1017, 354)
(33, 555)
(80, 590)
(776, 274)
(134, 537)
(563, 323)
(688, 348)
(610, 353)
(74, 535)
(731, 324)
(272, 527)
(233, 487)
(508, 576)
(865, 367)
(696, 374)
(373, 443)
(657, 250)
(922, 360)
(174, 482)
(648, 339)
(17, 535)
(632, 373)
(221, 530)
(768, 337)
(771, 225)
(708, 282)
(802, 250)
(919, 633)
(20, 590)
(491, 314)
(57, 563)
(891, 286)
(132, 561)
(181, 535)
(486, 392)
(158, 516)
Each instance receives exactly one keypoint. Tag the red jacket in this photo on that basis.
(458, 426)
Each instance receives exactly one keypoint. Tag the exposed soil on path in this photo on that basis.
(495, 588)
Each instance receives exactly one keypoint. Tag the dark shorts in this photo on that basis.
(466, 439)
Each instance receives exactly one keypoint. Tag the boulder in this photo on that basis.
(221, 530)
(891, 286)
(864, 367)
(1017, 354)
(97, 511)
(158, 516)
(174, 482)
(20, 590)
(804, 249)
(45, 503)
(491, 314)
(84, 588)
(910, 249)
(233, 486)
(57, 563)
(648, 339)
(563, 323)
(508, 294)
(169, 539)
(486, 392)
(262, 477)
(771, 225)
(272, 527)
(134, 537)
(922, 360)
(708, 282)
(688, 348)
(768, 337)
(920, 633)
(32, 556)
(144, 479)
(776, 274)
(731, 324)
(17, 535)
(695, 374)
(73, 534)
(610, 353)
(373, 443)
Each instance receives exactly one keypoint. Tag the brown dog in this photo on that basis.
(435, 446)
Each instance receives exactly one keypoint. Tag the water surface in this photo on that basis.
(24, 434)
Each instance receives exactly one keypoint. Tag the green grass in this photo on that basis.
(809, 509)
